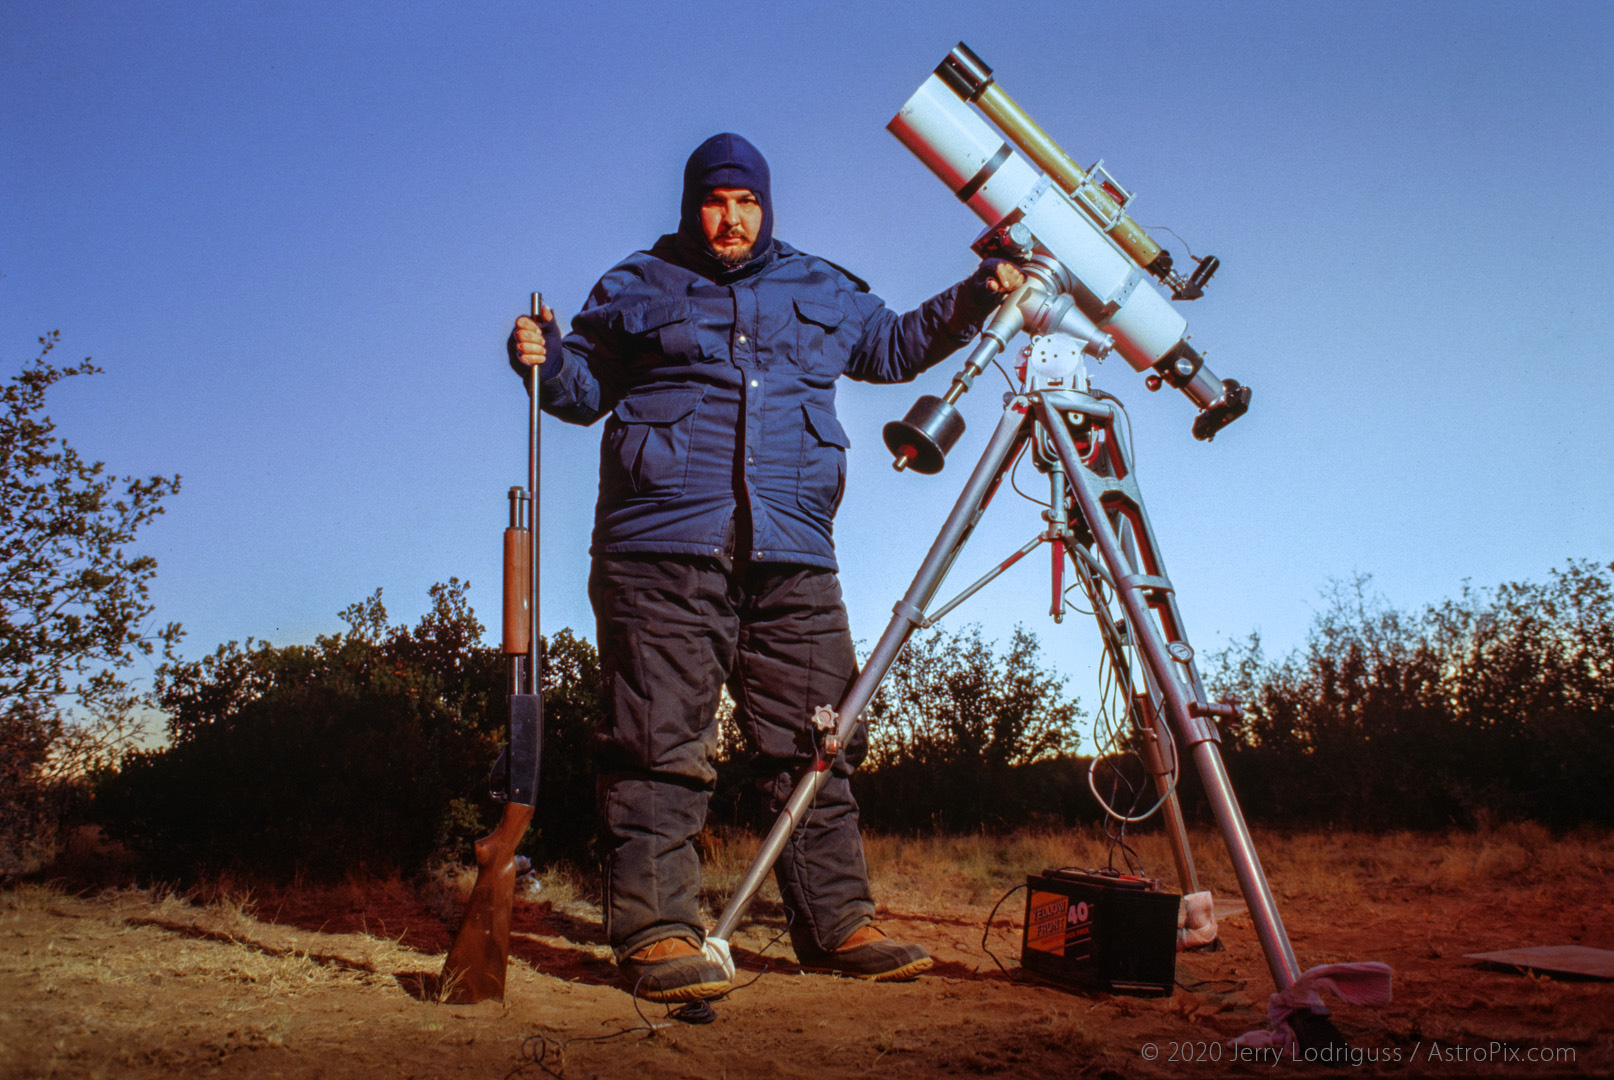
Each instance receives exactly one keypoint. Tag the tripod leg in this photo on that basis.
(1147, 597)
(908, 614)
(1151, 725)
(1156, 734)
(1144, 714)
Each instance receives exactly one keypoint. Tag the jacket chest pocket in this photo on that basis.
(662, 332)
(822, 480)
(821, 338)
(646, 445)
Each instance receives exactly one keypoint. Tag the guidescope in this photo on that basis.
(1068, 228)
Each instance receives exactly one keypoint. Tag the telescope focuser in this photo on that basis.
(1193, 286)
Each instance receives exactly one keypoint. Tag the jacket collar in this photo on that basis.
(680, 250)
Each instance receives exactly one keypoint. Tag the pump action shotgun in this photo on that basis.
(475, 968)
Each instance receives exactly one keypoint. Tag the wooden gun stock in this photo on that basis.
(476, 962)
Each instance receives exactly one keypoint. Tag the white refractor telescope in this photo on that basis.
(1067, 227)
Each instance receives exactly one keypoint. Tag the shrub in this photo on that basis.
(368, 749)
(1493, 706)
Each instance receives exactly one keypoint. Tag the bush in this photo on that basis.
(961, 738)
(369, 749)
(1495, 706)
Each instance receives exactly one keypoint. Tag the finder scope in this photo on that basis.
(1045, 208)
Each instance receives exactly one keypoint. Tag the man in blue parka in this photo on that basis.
(714, 357)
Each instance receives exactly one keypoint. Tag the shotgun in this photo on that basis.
(475, 968)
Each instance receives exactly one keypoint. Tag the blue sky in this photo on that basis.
(295, 236)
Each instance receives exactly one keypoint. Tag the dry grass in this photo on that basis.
(943, 874)
(954, 872)
(1326, 865)
(234, 972)
(947, 872)
(125, 957)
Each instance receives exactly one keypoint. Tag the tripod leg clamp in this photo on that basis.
(825, 722)
(909, 614)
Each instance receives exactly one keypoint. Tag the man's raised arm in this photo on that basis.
(896, 348)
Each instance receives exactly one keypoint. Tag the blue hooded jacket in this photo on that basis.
(719, 383)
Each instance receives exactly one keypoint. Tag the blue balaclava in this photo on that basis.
(724, 161)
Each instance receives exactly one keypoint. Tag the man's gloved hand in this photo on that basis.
(1000, 276)
(985, 289)
(531, 343)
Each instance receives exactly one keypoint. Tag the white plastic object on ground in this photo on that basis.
(717, 951)
(1196, 921)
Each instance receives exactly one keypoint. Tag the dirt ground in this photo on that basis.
(328, 982)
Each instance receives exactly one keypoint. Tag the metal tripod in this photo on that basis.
(1097, 517)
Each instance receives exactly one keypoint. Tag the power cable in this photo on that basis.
(986, 931)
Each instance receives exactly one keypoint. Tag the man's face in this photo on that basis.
(731, 218)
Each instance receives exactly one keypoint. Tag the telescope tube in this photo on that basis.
(1061, 214)
(997, 184)
(969, 77)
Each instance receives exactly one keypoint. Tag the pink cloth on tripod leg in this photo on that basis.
(1366, 982)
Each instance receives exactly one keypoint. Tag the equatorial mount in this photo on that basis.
(1043, 305)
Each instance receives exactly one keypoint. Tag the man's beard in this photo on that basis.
(733, 257)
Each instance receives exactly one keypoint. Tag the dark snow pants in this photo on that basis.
(672, 632)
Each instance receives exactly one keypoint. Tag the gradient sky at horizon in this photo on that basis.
(295, 236)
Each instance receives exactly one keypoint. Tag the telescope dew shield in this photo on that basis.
(964, 153)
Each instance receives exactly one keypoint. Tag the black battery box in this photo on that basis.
(1100, 931)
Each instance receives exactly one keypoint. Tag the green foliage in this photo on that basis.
(73, 610)
(573, 705)
(958, 734)
(1493, 706)
(365, 749)
(371, 747)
